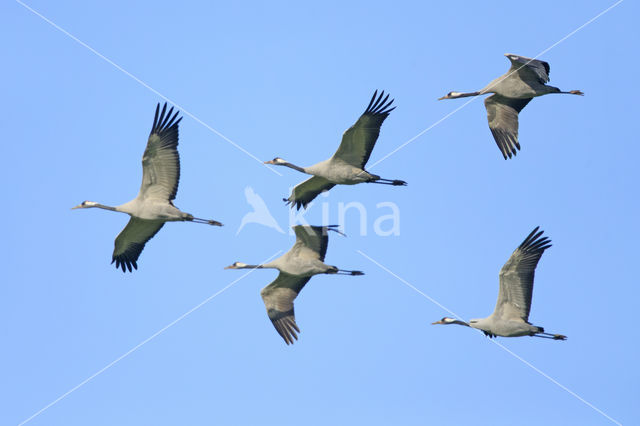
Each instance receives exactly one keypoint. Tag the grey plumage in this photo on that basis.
(516, 277)
(160, 179)
(358, 140)
(304, 260)
(502, 114)
(161, 160)
(154, 204)
(278, 298)
(346, 166)
(131, 241)
(510, 317)
(305, 192)
(525, 80)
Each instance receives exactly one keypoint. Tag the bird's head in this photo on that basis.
(236, 265)
(85, 205)
(276, 161)
(448, 320)
(450, 95)
(445, 320)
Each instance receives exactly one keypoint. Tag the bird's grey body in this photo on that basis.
(510, 317)
(339, 172)
(300, 261)
(304, 260)
(521, 82)
(496, 326)
(154, 204)
(153, 210)
(525, 80)
(346, 166)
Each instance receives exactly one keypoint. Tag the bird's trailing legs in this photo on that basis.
(394, 182)
(334, 229)
(346, 272)
(570, 92)
(550, 336)
(205, 221)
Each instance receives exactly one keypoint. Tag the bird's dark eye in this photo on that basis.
(83, 203)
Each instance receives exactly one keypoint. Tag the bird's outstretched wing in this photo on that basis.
(161, 161)
(358, 141)
(306, 191)
(278, 298)
(315, 238)
(530, 69)
(516, 277)
(131, 240)
(502, 114)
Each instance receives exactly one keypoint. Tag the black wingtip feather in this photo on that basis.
(507, 143)
(287, 328)
(164, 120)
(124, 263)
(371, 101)
(379, 106)
(534, 242)
(155, 118)
(297, 204)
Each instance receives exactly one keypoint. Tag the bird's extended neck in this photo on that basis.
(447, 321)
(112, 208)
(456, 95)
(93, 204)
(282, 162)
(467, 95)
(251, 267)
(294, 167)
(240, 265)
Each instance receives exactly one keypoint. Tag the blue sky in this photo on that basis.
(284, 79)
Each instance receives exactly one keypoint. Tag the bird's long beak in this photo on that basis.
(79, 206)
(269, 162)
(444, 97)
(437, 322)
(230, 267)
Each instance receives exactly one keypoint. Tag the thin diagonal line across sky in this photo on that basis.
(139, 345)
(475, 97)
(537, 370)
(142, 83)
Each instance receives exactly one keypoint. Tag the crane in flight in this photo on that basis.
(304, 260)
(154, 204)
(346, 166)
(525, 80)
(511, 315)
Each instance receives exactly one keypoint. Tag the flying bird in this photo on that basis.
(346, 167)
(511, 315)
(511, 93)
(154, 204)
(297, 266)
